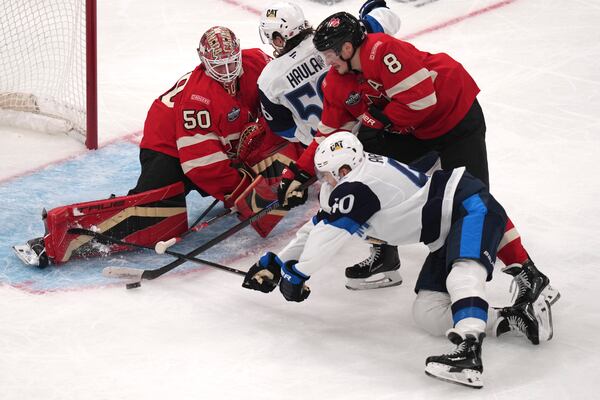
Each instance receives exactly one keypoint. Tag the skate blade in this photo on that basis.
(550, 294)
(466, 377)
(27, 255)
(543, 315)
(377, 281)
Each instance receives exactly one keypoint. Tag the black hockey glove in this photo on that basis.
(371, 133)
(292, 285)
(288, 194)
(265, 274)
(368, 21)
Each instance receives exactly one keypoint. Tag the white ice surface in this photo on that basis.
(200, 336)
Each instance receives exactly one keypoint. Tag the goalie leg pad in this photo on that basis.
(256, 197)
(144, 218)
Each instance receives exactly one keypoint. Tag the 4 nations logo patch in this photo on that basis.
(233, 114)
(353, 99)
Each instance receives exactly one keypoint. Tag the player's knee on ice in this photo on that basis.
(432, 313)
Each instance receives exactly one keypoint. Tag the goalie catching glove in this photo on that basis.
(288, 194)
(265, 274)
(249, 149)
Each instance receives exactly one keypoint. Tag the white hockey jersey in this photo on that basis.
(290, 85)
(382, 199)
(290, 92)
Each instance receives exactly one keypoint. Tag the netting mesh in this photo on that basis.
(42, 61)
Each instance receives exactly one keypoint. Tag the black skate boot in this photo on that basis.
(530, 283)
(383, 259)
(532, 320)
(33, 253)
(462, 366)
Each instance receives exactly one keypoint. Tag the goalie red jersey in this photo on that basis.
(199, 122)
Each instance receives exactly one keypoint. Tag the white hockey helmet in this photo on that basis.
(221, 55)
(281, 18)
(336, 151)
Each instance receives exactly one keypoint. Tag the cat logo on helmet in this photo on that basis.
(336, 146)
(333, 23)
(271, 14)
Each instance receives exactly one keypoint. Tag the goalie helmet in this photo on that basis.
(221, 55)
(336, 151)
(282, 19)
(338, 29)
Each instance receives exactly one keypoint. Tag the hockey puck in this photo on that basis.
(133, 285)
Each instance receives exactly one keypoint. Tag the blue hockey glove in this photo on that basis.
(372, 25)
(265, 274)
(292, 285)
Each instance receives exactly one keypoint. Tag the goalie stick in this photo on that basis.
(162, 246)
(124, 272)
(149, 274)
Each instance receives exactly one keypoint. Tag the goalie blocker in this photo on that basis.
(143, 218)
(268, 155)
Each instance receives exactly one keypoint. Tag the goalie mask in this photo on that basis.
(336, 151)
(221, 55)
(281, 19)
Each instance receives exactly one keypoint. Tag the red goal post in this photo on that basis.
(48, 72)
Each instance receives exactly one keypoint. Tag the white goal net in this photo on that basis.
(43, 66)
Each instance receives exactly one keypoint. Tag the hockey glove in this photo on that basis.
(374, 124)
(292, 285)
(370, 23)
(288, 194)
(265, 274)
(251, 139)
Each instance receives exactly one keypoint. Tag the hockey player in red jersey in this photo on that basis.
(206, 130)
(203, 134)
(417, 102)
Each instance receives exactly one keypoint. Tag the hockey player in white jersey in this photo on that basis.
(292, 101)
(374, 197)
(290, 85)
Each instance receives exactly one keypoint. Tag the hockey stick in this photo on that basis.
(149, 274)
(162, 246)
(124, 272)
(201, 217)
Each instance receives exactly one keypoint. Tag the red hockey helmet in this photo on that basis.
(221, 55)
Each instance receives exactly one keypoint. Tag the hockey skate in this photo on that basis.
(33, 253)
(463, 366)
(531, 320)
(379, 270)
(530, 283)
